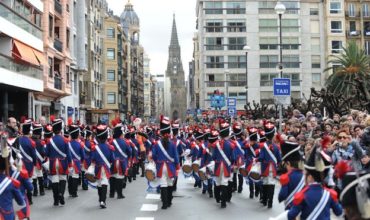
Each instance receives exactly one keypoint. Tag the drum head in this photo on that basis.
(202, 175)
(195, 167)
(149, 174)
(187, 169)
(90, 177)
(243, 172)
(255, 176)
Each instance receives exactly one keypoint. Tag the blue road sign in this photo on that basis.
(281, 87)
(231, 102)
(231, 111)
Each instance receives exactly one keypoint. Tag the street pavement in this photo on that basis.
(188, 203)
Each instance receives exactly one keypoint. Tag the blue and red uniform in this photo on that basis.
(87, 150)
(9, 190)
(107, 150)
(227, 147)
(291, 183)
(160, 159)
(78, 155)
(307, 200)
(63, 157)
(25, 185)
(28, 151)
(122, 153)
(268, 164)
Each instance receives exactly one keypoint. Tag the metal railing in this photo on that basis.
(58, 7)
(58, 45)
(24, 69)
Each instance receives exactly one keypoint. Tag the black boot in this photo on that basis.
(142, 168)
(99, 193)
(124, 182)
(29, 197)
(218, 193)
(233, 183)
(270, 198)
(257, 189)
(229, 191)
(240, 183)
(75, 182)
(251, 190)
(62, 188)
(224, 195)
(264, 194)
(164, 197)
(35, 189)
(104, 190)
(209, 189)
(112, 186)
(174, 187)
(84, 181)
(55, 187)
(170, 197)
(41, 185)
(70, 185)
(119, 187)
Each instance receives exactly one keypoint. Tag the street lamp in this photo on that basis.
(246, 48)
(280, 10)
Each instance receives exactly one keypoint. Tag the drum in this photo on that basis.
(211, 168)
(195, 166)
(90, 173)
(203, 173)
(150, 171)
(255, 173)
(243, 171)
(186, 168)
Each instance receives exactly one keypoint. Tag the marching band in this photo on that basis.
(220, 157)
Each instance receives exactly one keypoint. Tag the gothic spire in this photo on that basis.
(174, 38)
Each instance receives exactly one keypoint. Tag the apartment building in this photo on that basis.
(147, 87)
(22, 57)
(225, 27)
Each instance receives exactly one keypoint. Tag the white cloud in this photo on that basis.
(155, 28)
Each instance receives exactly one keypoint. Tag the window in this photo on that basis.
(314, 11)
(294, 77)
(367, 28)
(111, 53)
(236, 26)
(216, 80)
(367, 47)
(315, 27)
(291, 7)
(336, 27)
(213, 26)
(266, 7)
(236, 43)
(213, 7)
(51, 65)
(111, 98)
(290, 43)
(291, 61)
(289, 25)
(68, 37)
(266, 79)
(315, 45)
(110, 32)
(214, 43)
(215, 62)
(268, 61)
(352, 26)
(268, 25)
(51, 25)
(316, 78)
(336, 46)
(315, 61)
(365, 10)
(351, 10)
(235, 7)
(111, 75)
(237, 62)
(269, 43)
(236, 80)
(335, 7)
(68, 77)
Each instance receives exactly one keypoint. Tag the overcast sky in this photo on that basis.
(155, 28)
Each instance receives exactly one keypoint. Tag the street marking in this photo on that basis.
(149, 207)
(153, 196)
(144, 218)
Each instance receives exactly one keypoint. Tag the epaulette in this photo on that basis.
(82, 144)
(284, 179)
(111, 147)
(93, 147)
(33, 143)
(24, 174)
(333, 194)
(299, 197)
(43, 142)
(232, 145)
(66, 140)
(16, 183)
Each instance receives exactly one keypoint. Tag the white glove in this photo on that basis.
(19, 165)
(5, 152)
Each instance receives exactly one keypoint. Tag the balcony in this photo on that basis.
(58, 45)
(367, 33)
(26, 70)
(19, 21)
(353, 33)
(352, 14)
(58, 83)
(58, 7)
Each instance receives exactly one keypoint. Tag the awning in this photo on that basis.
(40, 57)
(24, 53)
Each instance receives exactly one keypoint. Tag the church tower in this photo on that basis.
(175, 78)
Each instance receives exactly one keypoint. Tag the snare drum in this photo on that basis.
(195, 166)
(211, 168)
(243, 171)
(203, 173)
(150, 171)
(186, 168)
(255, 173)
(90, 173)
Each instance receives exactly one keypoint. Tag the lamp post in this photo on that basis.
(280, 10)
(246, 48)
(227, 72)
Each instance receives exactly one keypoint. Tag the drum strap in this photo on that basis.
(4, 184)
(223, 154)
(270, 153)
(39, 156)
(15, 174)
(298, 188)
(133, 144)
(177, 142)
(73, 152)
(165, 152)
(57, 149)
(239, 147)
(102, 156)
(252, 150)
(86, 149)
(24, 153)
(119, 149)
(319, 206)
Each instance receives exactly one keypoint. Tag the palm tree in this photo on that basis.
(353, 75)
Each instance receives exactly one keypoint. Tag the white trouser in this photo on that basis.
(36, 173)
(117, 175)
(103, 178)
(269, 180)
(73, 174)
(222, 179)
(165, 180)
(58, 177)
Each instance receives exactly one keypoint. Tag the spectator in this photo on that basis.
(336, 118)
(298, 115)
(42, 120)
(358, 131)
(11, 127)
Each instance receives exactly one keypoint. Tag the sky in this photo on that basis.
(156, 18)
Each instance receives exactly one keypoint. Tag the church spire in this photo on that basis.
(174, 38)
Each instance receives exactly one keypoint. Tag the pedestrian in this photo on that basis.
(37, 177)
(11, 128)
(86, 139)
(251, 155)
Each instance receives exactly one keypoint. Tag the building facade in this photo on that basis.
(22, 57)
(159, 97)
(225, 27)
(147, 88)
